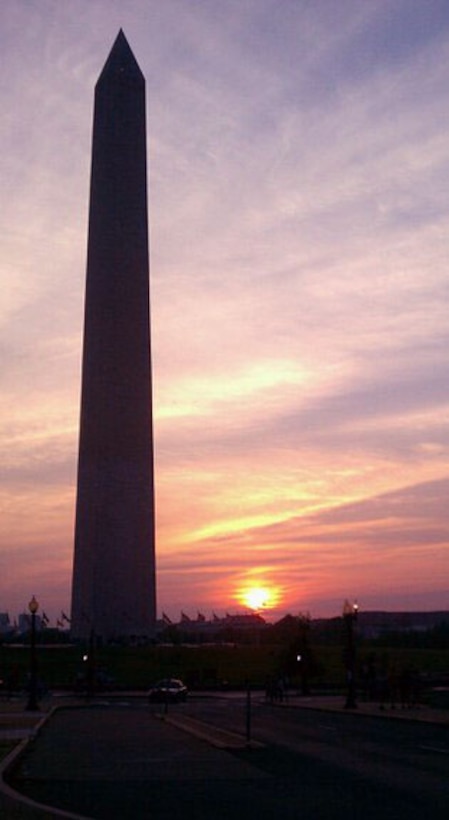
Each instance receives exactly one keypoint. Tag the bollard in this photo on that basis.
(248, 713)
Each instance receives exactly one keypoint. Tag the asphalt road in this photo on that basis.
(408, 756)
(121, 762)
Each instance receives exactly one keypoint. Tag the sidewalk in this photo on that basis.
(336, 703)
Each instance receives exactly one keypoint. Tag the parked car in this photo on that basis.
(168, 690)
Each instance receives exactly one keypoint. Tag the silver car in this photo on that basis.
(168, 690)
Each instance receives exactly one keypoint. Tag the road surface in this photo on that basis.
(120, 761)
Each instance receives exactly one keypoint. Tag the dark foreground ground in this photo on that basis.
(117, 761)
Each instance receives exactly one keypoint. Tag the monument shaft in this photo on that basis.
(113, 592)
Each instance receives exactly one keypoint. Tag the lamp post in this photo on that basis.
(350, 612)
(90, 666)
(33, 705)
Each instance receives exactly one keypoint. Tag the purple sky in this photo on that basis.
(299, 223)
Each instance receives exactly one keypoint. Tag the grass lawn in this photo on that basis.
(204, 666)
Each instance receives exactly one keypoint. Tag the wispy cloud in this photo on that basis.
(299, 169)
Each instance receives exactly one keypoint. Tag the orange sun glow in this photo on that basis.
(259, 597)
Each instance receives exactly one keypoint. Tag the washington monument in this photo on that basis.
(113, 592)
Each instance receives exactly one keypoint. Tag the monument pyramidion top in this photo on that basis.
(121, 62)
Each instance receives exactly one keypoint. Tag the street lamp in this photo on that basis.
(33, 705)
(90, 660)
(350, 612)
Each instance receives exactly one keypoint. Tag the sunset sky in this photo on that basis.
(299, 229)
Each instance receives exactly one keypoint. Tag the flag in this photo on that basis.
(59, 623)
(45, 619)
(64, 617)
(215, 618)
(201, 617)
(185, 617)
(166, 619)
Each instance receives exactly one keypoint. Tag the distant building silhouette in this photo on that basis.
(5, 624)
(113, 590)
(204, 629)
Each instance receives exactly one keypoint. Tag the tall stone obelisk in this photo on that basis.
(113, 593)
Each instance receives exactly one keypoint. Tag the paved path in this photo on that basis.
(99, 761)
(336, 703)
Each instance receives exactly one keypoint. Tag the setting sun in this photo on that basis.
(259, 597)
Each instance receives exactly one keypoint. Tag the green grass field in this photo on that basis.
(202, 666)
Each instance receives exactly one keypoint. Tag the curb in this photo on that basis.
(220, 738)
